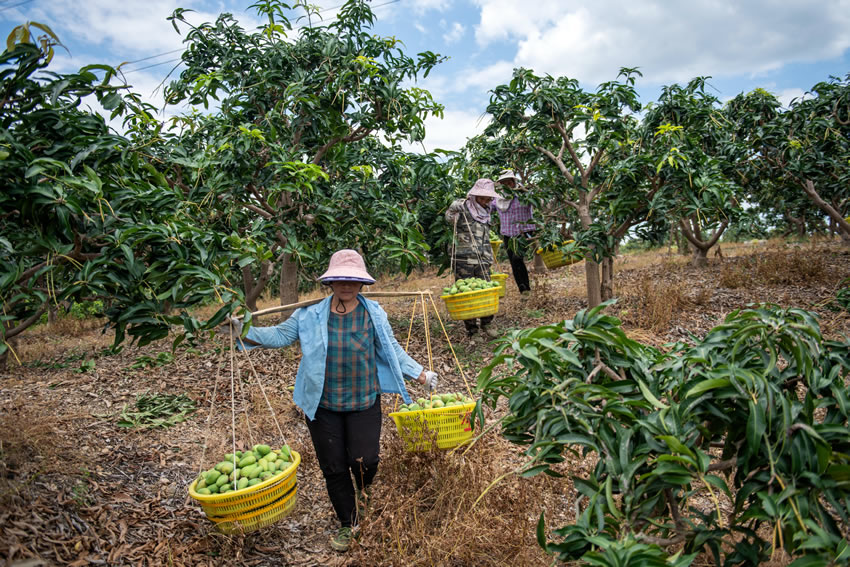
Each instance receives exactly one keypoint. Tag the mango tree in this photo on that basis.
(586, 151)
(86, 216)
(801, 152)
(701, 195)
(271, 159)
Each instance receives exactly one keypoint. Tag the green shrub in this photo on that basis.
(87, 309)
(735, 445)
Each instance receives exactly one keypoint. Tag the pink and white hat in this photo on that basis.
(484, 188)
(347, 265)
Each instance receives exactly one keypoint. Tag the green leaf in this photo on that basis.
(541, 533)
(706, 385)
(649, 396)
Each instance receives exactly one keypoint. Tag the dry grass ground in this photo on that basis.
(76, 489)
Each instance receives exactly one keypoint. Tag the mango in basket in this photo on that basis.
(469, 284)
(252, 467)
(438, 401)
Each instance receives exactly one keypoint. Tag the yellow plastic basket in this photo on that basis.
(555, 258)
(472, 304)
(254, 507)
(501, 278)
(494, 244)
(443, 428)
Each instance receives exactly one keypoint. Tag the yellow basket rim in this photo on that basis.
(495, 242)
(541, 251)
(498, 274)
(282, 475)
(468, 293)
(469, 406)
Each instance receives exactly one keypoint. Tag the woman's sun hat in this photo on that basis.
(507, 174)
(347, 265)
(484, 188)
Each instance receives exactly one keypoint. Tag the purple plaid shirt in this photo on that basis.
(513, 221)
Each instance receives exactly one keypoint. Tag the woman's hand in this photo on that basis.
(232, 326)
(428, 379)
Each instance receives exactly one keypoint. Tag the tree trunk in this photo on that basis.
(594, 284)
(843, 225)
(539, 265)
(288, 283)
(591, 269)
(798, 224)
(681, 242)
(607, 278)
(694, 235)
(254, 287)
(700, 258)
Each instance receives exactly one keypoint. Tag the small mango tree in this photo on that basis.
(736, 446)
(555, 125)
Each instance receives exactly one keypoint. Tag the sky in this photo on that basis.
(783, 46)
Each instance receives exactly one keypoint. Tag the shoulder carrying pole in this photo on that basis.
(314, 301)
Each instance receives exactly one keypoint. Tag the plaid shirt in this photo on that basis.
(513, 221)
(351, 378)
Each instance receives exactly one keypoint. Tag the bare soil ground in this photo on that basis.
(77, 489)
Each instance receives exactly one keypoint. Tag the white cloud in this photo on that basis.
(668, 42)
(787, 95)
(485, 78)
(421, 7)
(452, 131)
(454, 33)
(125, 30)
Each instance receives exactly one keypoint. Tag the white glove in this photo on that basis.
(232, 327)
(430, 380)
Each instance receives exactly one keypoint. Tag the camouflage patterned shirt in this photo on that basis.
(472, 238)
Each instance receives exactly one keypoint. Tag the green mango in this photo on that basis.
(249, 460)
(263, 449)
(286, 453)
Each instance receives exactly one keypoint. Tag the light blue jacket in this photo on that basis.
(309, 326)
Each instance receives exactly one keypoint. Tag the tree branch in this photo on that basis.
(586, 175)
(722, 465)
(713, 240)
(255, 192)
(576, 161)
(26, 323)
(809, 188)
(558, 162)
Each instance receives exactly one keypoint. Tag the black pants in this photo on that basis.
(346, 444)
(464, 271)
(517, 249)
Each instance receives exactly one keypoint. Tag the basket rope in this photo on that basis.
(235, 376)
(263, 391)
(451, 348)
(241, 396)
(210, 414)
(463, 374)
